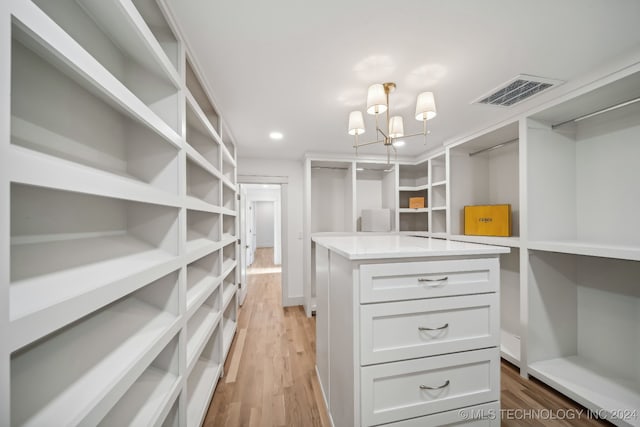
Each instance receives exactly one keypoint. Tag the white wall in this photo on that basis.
(293, 170)
(264, 224)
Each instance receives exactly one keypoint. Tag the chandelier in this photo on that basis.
(378, 103)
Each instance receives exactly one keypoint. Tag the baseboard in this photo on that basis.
(324, 397)
(291, 301)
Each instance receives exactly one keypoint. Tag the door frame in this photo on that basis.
(283, 181)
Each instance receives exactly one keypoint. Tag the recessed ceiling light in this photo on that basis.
(359, 169)
(398, 143)
(276, 135)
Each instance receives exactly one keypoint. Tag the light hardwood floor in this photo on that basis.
(270, 376)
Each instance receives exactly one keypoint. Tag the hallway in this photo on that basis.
(270, 376)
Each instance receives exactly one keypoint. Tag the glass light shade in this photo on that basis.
(376, 99)
(425, 106)
(396, 127)
(356, 123)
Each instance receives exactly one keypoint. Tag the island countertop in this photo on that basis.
(364, 247)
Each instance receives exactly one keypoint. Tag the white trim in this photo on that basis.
(284, 235)
(259, 179)
(324, 397)
(293, 301)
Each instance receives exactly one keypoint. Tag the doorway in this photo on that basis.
(262, 235)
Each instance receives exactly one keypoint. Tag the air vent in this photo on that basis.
(516, 90)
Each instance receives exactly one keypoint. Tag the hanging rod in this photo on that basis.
(494, 147)
(330, 167)
(596, 113)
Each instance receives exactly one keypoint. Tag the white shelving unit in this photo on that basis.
(438, 194)
(483, 171)
(375, 189)
(120, 186)
(583, 330)
(336, 191)
(413, 181)
(585, 246)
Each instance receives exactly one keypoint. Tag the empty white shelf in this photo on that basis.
(227, 294)
(412, 188)
(226, 181)
(411, 210)
(439, 183)
(199, 329)
(198, 248)
(200, 386)
(146, 400)
(202, 117)
(196, 204)
(63, 51)
(227, 267)
(584, 383)
(122, 22)
(198, 158)
(57, 282)
(117, 344)
(200, 291)
(588, 248)
(34, 168)
(512, 242)
(510, 347)
(228, 264)
(227, 155)
(227, 334)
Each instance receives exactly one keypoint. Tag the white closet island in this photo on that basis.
(408, 330)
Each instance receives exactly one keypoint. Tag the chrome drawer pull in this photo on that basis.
(426, 387)
(426, 279)
(423, 328)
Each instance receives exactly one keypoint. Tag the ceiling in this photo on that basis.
(299, 67)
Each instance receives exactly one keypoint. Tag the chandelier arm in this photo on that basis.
(383, 134)
(368, 143)
(412, 135)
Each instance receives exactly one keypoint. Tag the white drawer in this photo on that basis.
(396, 391)
(418, 328)
(487, 415)
(428, 279)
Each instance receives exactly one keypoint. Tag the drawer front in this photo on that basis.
(414, 388)
(418, 328)
(487, 415)
(428, 279)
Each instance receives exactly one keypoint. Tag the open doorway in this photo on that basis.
(261, 235)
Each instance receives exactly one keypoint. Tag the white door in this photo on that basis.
(251, 233)
(243, 241)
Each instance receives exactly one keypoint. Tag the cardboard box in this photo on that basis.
(416, 202)
(487, 220)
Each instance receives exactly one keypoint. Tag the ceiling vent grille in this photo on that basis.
(516, 90)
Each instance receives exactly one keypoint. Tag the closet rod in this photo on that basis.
(595, 113)
(330, 167)
(494, 147)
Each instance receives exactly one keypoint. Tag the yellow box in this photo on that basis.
(416, 202)
(487, 220)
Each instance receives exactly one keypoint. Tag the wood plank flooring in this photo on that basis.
(270, 377)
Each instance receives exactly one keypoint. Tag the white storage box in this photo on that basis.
(376, 220)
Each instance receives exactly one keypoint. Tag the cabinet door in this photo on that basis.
(427, 327)
(413, 388)
(428, 279)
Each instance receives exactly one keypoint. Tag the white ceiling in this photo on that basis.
(299, 67)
